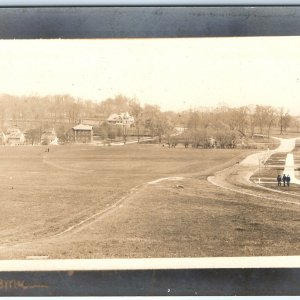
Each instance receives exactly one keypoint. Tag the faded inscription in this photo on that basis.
(19, 284)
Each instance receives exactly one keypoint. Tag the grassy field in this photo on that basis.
(43, 194)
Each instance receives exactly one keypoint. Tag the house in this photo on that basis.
(49, 138)
(123, 119)
(14, 136)
(80, 134)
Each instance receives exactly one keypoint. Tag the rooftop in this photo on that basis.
(83, 127)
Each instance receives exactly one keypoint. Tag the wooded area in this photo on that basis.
(203, 127)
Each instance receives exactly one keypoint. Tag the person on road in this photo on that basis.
(288, 180)
(279, 180)
(284, 179)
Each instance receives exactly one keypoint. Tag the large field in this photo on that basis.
(101, 202)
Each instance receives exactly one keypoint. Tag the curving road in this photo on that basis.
(237, 178)
(286, 146)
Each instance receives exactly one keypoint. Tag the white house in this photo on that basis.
(123, 119)
(14, 136)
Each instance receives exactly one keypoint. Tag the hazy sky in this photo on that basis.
(173, 73)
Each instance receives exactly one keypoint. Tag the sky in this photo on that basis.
(176, 74)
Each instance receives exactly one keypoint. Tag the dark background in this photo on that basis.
(139, 22)
(209, 282)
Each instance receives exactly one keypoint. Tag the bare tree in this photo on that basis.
(270, 117)
(284, 119)
(137, 112)
(265, 117)
(259, 117)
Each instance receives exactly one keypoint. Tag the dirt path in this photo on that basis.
(104, 212)
(96, 216)
(237, 177)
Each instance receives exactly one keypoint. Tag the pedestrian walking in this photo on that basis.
(288, 180)
(284, 179)
(279, 180)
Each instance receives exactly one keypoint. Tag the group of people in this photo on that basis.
(285, 179)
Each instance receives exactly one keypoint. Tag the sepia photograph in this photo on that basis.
(149, 148)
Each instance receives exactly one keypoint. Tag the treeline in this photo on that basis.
(49, 109)
(223, 125)
(37, 114)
